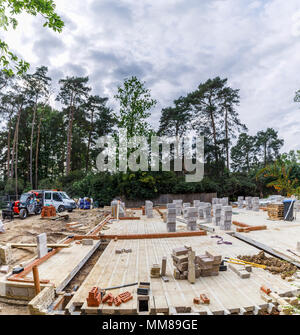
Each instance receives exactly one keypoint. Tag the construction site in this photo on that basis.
(199, 258)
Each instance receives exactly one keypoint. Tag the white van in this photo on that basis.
(60, 200)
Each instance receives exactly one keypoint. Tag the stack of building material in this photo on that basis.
(209, 264)
(184, 209)
(149, 209)
(217, 214)
(94, 298)
(204, 265)
(114, 206)
(117, 208)
(155, 271)
(276, 211)
(178, 206)
(240, 202)
(48, 212)
(171, 218)
(248, 203)
(226, 218)
(224, 201)
(255, 204)
(192, 216)
(201, 208)
(216, 201)
(207, 213)
(196, 203)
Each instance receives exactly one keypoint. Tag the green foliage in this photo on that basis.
(280, 173)
(135, 103)
(9, 62)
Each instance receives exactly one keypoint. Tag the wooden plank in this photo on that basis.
(73, 273)
(142, 236)
(34, 245)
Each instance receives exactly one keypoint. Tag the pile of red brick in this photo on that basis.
(202, 300)
(205, 265)
(48, 211)
(94, 298)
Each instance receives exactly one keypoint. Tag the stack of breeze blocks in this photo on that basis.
(217, 214)
(192, 215)
(171, 218)
(202, 266)
(184, 208)
(197, 204)
(224, 201)
(240, 202)
(114, 208)
(149, 209)
(178, 204)
(255, 204)
(216, 201)
(207, 212)
(248, 203)
(226, 218)
(200, 208)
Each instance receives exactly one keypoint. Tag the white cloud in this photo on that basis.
(174, 45)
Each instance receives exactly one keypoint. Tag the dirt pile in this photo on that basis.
(25, 231)
(274, 265)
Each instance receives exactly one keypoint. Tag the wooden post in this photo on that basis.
(36, 279)
(191, 267)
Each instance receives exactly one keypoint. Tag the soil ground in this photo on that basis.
(25, 231)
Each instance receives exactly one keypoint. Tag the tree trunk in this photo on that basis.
(89, 143)
(215, 138)
(31, 142)
(265, 154)
(226, 138)
(13, 152)
(69, 137)
(8, 147)
(37, 153)
(16, 150)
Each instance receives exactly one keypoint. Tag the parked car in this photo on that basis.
(60, 200)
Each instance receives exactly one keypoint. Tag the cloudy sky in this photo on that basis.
(174, 45)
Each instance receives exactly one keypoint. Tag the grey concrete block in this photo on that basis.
(42, 248)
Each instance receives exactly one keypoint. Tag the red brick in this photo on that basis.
(117, 301)
(204, 299)
(197, 301)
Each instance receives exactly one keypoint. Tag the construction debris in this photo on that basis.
(274, 265)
